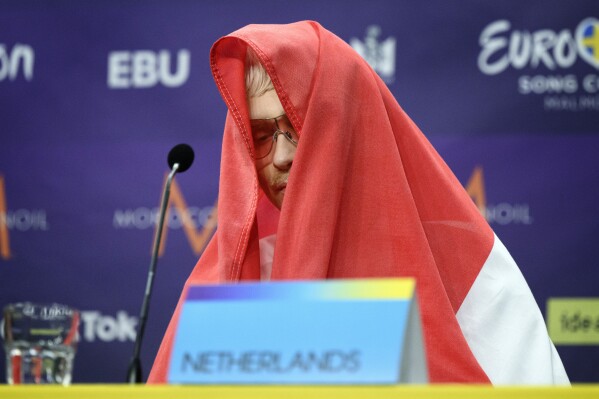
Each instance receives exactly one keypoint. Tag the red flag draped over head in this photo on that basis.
(367, 194)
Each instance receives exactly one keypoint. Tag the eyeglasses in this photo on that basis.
(266, 131)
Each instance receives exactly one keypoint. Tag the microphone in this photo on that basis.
(180, 158)
(181, 154)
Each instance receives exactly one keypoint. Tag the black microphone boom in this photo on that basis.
(179, 159)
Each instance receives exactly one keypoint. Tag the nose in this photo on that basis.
(284, 152)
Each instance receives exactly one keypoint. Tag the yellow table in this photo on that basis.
(101, 391)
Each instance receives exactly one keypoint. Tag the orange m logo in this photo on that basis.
(476, 189)
(4, 239)
(197, 239)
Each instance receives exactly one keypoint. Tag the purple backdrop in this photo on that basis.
(92, 97)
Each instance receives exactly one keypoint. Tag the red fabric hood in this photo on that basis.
(367, 196)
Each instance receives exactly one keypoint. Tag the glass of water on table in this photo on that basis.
(40, 342)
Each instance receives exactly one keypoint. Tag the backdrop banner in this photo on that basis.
(93, 96)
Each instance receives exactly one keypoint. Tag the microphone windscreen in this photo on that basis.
(181, 154)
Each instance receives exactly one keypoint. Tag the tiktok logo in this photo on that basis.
(107, 328)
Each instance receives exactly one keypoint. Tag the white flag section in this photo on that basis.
(505, 328)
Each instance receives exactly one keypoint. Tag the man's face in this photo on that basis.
(273, 170)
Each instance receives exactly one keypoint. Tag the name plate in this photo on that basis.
(325, 332)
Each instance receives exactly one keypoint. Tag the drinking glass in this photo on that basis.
(40, 341)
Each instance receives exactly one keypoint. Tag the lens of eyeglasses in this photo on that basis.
(263, 132)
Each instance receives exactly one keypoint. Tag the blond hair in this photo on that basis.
(257, 81)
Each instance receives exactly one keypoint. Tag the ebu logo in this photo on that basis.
(145, 68)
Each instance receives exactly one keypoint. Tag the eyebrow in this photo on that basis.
(268, 119)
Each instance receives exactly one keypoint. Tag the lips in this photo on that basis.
(280, 186)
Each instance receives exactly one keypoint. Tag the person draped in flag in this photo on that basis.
(324, 176)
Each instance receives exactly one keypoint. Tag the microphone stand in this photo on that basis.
(134, 374)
